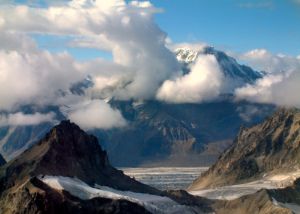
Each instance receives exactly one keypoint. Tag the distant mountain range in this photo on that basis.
(159, 133)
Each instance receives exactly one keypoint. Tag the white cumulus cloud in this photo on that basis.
(96, 114)
(281, 84)
(203, 83)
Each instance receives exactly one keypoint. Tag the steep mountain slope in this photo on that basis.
(268, 148)
(65, 151)
(241, 74)
(68, 151)
(261, 202)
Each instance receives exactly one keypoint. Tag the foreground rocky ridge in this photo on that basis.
(65, 151)
(271, 147)
(68, 151)
(36, 197)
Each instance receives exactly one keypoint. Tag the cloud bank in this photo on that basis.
(143, 65)
(30, 76)
(21, 119)
(280, 85)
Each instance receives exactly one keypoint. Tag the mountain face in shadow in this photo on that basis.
(177, 134)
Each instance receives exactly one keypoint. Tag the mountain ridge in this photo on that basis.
(267, 148)
(68, 151)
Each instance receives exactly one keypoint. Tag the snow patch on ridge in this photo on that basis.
(153, 203)
(235, 191)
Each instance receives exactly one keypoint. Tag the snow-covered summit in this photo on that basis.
(236, 74)
(186, 55)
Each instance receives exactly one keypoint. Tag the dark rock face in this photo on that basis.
(232, 68)
(272, 146)
(65, 151)
(68, 151)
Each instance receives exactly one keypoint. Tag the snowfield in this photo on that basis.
(153, 203)
(236, 191)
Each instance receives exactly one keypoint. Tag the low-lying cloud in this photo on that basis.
(281, 83)
(21, 119)
(96, 114)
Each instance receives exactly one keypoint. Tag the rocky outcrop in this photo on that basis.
(68, 151)
(270, 147)
(65, 151)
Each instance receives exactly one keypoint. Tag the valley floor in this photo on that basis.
(165, 178)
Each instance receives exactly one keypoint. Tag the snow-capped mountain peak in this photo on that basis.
(230, 67)
(186, 55)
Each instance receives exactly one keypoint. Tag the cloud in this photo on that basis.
(278, 89)
(30, 76)
(262, 59)
(128, 31)
(96, 114)
(203, 83)
(34, 77)
(21, 119)
(143, 65)
(281, 84)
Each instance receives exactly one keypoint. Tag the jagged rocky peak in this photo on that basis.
(68, 151)
(272, 147)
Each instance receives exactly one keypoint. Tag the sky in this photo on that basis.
(125, 50)
(234, 24)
